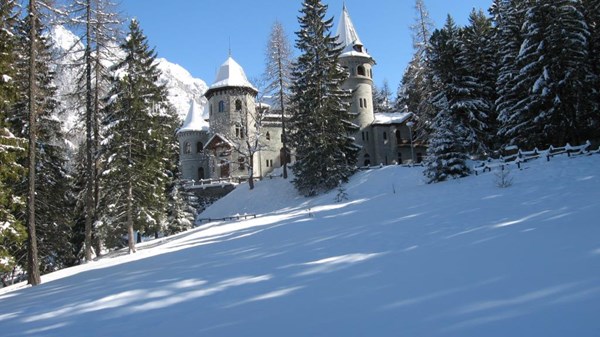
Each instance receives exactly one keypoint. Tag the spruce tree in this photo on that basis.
(382, 98)
(139, 136)
(591, 10)
(53, 200)
(12, 148)
(552, 68)
(321, 125)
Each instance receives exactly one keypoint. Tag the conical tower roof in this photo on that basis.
(194, 120)
(231, 74)
(348, 37)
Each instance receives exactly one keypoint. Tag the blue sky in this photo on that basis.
(196, 33)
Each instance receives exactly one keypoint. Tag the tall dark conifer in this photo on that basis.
(321, 127)
(139, 138)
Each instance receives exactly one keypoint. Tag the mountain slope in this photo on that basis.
(68, 50)
(398, 258)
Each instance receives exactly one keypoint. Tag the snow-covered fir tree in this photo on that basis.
(476, 81)
(591, 10)
(382, 98)
(552, 69)
(139, 138)
(53, 198)
(320, 124)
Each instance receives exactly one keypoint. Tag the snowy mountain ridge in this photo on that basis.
(399, 257)
(67, 48)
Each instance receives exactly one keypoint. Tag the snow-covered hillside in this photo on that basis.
(398, 258)
(67, 48)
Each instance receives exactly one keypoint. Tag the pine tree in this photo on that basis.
(476, 83)
(447, 152)
(382, 98)
(279, 77)
(553, 65)
(53, 201)
(321, 125)
(591, 10)
(139, 136)
(12, 148)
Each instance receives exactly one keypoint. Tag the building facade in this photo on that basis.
(241, 136)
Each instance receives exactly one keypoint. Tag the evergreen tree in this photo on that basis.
(279, 78)
(382, 98)
(591, 10)
(446, 158)
(508, 16)
(321, 130)
(553, 66)
(476, 83)
(447, 151)
(53, 200)
(139, 137)
(12, 148)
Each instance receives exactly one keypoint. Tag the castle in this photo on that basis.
(241, 132)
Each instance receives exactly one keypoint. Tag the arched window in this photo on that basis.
(221, 106)
(199, 147)
(361, 71)
(367, 160)
(200, 173)
(187, 148)
(268, 136)
(238, 105)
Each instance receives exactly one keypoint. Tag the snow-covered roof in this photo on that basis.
(348, 37)
(387, 118)
(231, 74)
(218, 139)
(194, 120)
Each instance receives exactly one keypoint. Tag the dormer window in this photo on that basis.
(358, 48)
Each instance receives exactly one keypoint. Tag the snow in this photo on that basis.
(231, 74)
(347, 36)
(6, 78)
(398, 258)
(194, 120)
(385, 118)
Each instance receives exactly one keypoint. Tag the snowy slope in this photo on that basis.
(67, 48)
(398, 258)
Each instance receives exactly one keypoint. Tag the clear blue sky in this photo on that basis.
(196, 33)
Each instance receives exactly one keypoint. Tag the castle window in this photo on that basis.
(367, 160)
(238, 105)
(419, 157)
(399, 158)
(242, 131)
(199, 147)
(268, 136)
(371, 73)
(187, 148)
(358, 48)
(384, 135)
(238, 131)
(363, 136)
(361, 71)
(221, 106)
(210, 109)
(200, 173)
(365, 103)
(360, 102)
(242, 165)
(398, 137)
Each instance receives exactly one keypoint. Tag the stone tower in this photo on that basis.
(192, 137)
(231, 100)
(359, 64)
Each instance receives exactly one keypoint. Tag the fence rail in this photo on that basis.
(227, 218)
(524, 156)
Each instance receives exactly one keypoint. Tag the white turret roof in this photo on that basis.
(231, 74)
(348, 37)
(194, 120)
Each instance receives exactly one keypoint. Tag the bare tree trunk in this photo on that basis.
(96, 121)
(33, 269)
(129, 210)
(89, 172)
(283, 131)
